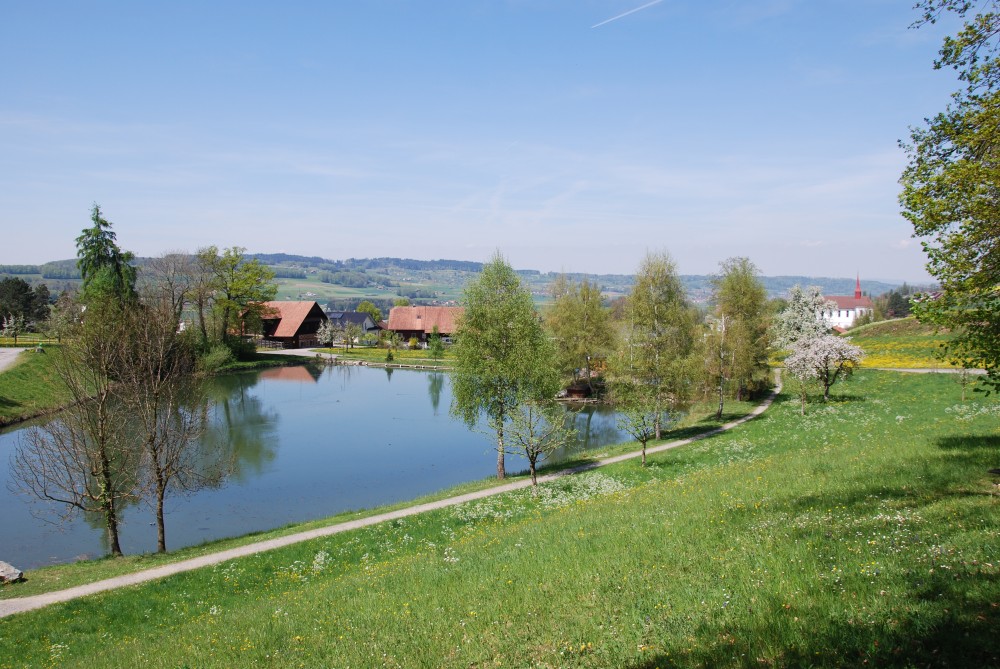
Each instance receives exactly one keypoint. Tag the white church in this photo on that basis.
(848, 308)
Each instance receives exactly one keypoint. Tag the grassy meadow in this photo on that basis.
(865, 533)
(902, 344)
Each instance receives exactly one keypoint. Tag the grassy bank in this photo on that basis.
(865, 533)
(31, 387)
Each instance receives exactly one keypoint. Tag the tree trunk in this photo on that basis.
(161, 533)
(531, 465)
(111, 523)
(718, 414)
(501, 469)
(643, 454)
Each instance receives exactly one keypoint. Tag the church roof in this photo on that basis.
(850, 302)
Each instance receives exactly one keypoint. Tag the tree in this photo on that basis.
(537, 430)
(435, 344)
(742, 327)
(85, 459)
(241, 287)
(580, 326)
(950, 186)
(168, 283)
(367, 307)
(352, 333)
(327, 333)
(639, 414)
(401, 302)
(502, 356)
(656, 357)
(18, 298)
(106, 270)
(825, 359)
(12, 326)
(802, 318)
(153, 378)
(392, 341)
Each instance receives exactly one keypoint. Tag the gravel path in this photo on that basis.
(18, 605)
(8, 356)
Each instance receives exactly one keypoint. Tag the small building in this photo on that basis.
(359, 318)
(848, 309)
(419, 322)
(292, 324)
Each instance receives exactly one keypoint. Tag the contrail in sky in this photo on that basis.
(631, 11)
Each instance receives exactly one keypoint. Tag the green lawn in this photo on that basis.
(865, 533)
(31, 387)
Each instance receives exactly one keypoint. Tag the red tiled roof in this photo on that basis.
(850, 302)
(423, 319)
(292, 315)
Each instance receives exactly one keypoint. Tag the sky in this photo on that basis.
(570, 135)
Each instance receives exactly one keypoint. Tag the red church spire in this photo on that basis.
(857, 288)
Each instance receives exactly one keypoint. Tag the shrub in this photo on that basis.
(215, 359)
(414, 343)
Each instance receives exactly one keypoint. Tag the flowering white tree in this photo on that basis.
(13, 327)
(823, 358)
(802, 318)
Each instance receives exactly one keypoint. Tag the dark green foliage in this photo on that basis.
(106, 269)
(18, 298)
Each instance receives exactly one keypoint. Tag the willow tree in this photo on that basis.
(503, 357)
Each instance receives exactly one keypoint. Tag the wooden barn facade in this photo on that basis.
(292, 324)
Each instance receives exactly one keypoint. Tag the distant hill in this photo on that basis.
(345, 282)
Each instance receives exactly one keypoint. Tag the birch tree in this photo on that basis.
(503, 357)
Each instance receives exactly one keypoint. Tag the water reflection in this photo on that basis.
(243, 439)
(300, 445)
(435, 383)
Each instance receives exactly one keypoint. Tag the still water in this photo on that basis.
(303, 443)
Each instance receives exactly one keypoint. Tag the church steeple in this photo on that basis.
(857, 288)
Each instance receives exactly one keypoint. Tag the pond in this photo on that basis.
(303, 443)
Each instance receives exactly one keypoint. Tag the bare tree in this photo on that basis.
(85, 459)
(152, 377)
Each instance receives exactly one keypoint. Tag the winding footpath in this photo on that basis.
(10, 607)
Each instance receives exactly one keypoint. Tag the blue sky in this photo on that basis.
(450, 129)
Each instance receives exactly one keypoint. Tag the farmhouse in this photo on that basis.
(848, 308)
(292, 324)
(359, 318)
(419, 322)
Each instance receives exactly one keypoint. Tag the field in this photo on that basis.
(865, 533)
(901, 344)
